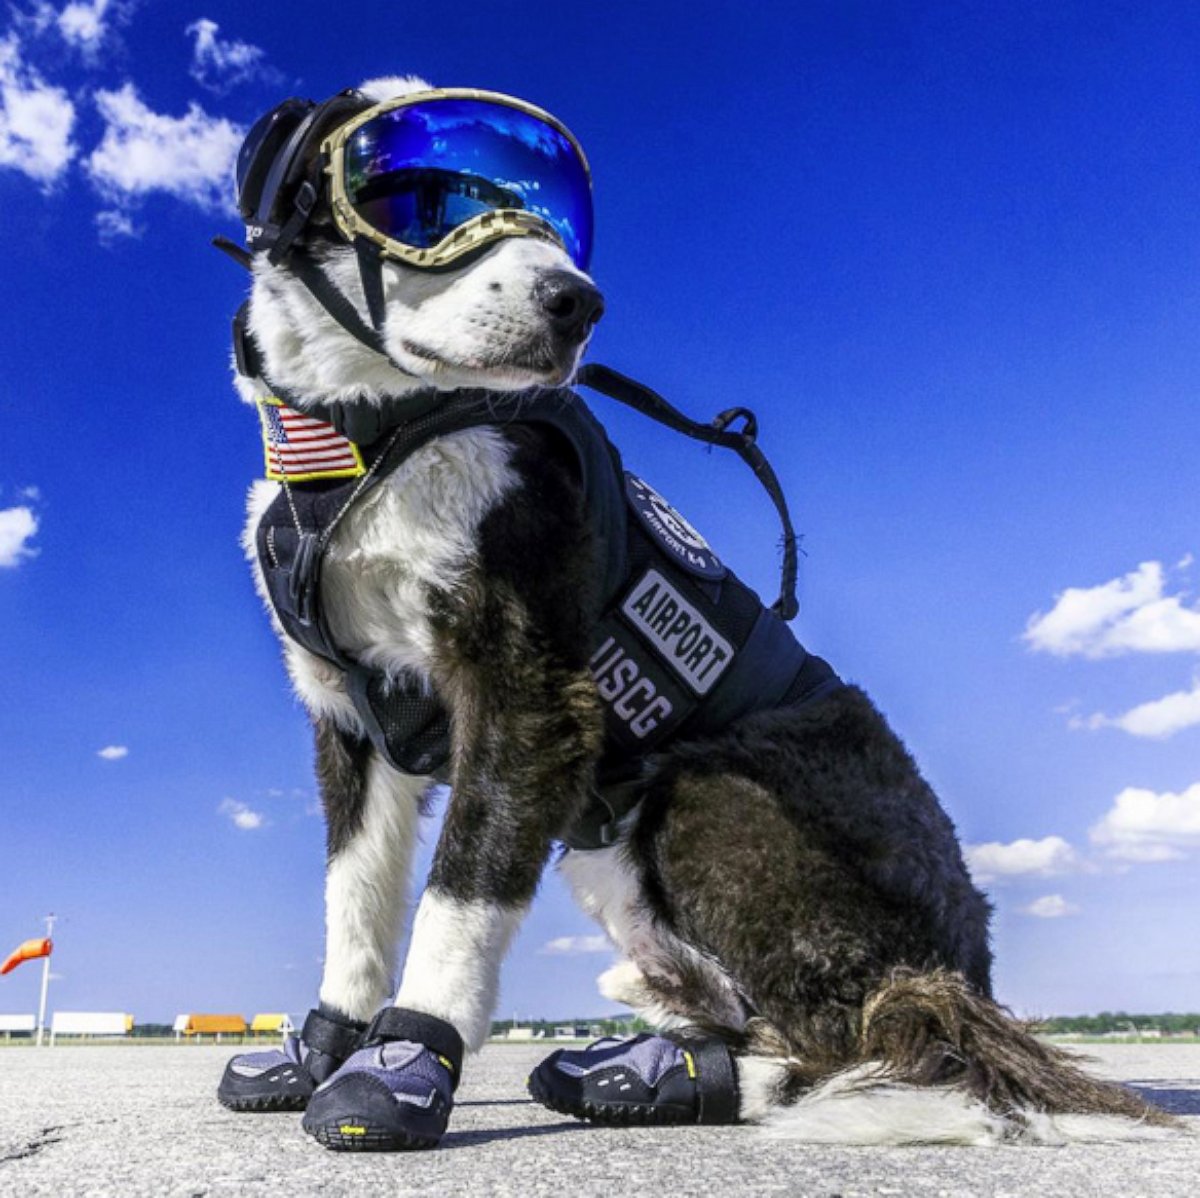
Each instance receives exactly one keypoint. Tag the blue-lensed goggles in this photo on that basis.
(431, 177)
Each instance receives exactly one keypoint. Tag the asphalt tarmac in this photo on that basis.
(129, 1120)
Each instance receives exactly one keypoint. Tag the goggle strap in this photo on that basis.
(639, 397)
(370, 270)
(306, 198)
(335, 303)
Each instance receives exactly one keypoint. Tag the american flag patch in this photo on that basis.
(300, 448)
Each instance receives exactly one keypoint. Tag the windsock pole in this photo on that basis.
(41, 1027)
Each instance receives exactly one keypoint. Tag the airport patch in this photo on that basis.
(677, 632)
(671, 531)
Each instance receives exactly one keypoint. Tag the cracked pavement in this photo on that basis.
(131, 1120)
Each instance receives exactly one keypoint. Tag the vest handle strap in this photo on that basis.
(742, 441)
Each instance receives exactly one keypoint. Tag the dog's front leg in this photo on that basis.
(510, 661)
(521, 774)
(371, 813)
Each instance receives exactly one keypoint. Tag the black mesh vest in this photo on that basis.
(682, 648)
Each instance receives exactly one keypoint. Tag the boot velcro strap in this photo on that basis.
(716, 1077)
(334, 1037)
(440, 1037)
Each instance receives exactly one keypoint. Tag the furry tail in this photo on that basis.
(937, 1063)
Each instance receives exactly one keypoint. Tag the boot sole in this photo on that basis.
(611, 1113)
(264, 1104)
(349, 1134)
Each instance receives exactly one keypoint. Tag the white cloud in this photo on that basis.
(113, 752)
(1126, 615)
(190, 157)
(36, 120)
(1155, 720)
(571, 946)
(219, 64)
(1049, 906)
(1044, 858)
(241, 816)
(17, 528)
(113, 225)
(1145, 826)
(82, 24)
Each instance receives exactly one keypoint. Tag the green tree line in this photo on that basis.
(1119, 1021)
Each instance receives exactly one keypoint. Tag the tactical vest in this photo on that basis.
(682, 648)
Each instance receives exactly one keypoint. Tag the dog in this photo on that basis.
(784, 892)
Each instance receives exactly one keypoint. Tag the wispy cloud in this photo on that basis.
(1131, 614)
(241, 816)
(18, 526)
(84, 25)
(1049, 906)
(142, 152)
(1155, 720)
(36, 119)
(113, 752)
(1146, 826)
(1126, 615)
(996, 861)
(113, 225)
(220, 64)
(573, 946)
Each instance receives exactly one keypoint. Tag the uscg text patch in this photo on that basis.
(677, 632)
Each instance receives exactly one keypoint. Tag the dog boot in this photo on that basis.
(283, 1079)
(679, 1077)
(395, 1092)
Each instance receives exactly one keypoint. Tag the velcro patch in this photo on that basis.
(300, 448)
(671, 531)
(677, 632)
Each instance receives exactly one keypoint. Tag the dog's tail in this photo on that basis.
(937, 1063)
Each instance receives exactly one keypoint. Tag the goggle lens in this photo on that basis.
(417, 173)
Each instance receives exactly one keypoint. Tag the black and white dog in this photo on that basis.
(787, 890)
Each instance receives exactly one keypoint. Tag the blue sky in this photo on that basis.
(948, 252)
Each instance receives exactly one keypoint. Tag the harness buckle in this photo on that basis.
(306, 199)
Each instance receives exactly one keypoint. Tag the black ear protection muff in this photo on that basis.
(260, 150)
(279, 178)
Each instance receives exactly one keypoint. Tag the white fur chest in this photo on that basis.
(415, 530)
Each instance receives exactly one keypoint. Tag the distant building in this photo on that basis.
(90, 1023)
(273, 1025)
(210, 1025)
(19, 1025)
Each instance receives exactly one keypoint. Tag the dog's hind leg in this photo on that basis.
(667, 982)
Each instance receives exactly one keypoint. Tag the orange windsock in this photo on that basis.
(29, 951)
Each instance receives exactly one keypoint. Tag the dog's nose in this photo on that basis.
(572, 304)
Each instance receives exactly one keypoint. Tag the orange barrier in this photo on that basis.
(212, 1025)
(29, 951)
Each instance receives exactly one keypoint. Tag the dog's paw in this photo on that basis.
(395, 1093)
(283, 1079)
(644, 1079)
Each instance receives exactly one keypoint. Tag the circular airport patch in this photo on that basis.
(673, 534)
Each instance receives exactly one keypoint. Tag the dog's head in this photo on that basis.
(516, 313)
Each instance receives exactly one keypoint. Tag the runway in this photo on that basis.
(131, 1120)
